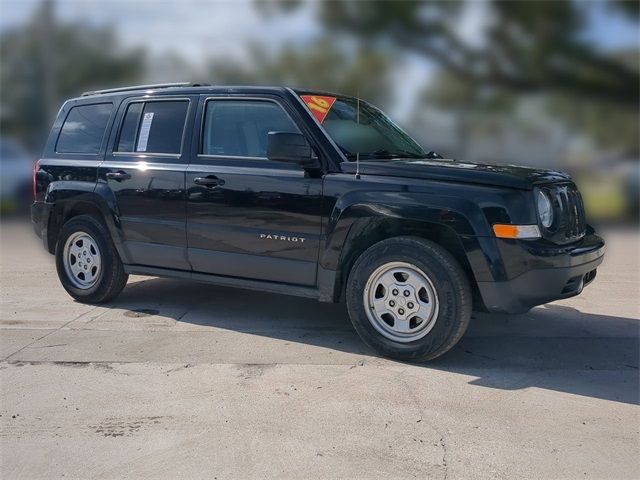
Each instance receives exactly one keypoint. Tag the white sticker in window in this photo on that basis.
(143, 137)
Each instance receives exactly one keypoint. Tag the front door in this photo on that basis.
(249, 217)
(145, 170)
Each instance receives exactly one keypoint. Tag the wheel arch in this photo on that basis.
(365, 233)
(89, 203)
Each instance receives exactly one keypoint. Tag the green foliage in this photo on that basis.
(45, 63)
(321, 65)
(628, 7)
(529, 47)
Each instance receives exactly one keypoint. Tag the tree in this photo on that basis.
(528, 46)
(322, 65)
(43, 63)
(611, 127)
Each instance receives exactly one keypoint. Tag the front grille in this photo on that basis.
(569, 218)
(571, 211)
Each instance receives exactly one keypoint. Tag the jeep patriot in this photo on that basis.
(302, 193)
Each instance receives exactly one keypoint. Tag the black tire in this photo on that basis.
(451, 285)
(111, 278)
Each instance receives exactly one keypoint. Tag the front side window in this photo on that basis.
(240, 128)
(360, 128)
(84, 128)
(153, 127)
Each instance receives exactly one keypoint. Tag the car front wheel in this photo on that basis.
(409, 299)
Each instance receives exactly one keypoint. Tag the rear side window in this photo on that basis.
(154, 127)
(240, 128)
(84, 128)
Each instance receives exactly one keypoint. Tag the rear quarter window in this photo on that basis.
(84, 128)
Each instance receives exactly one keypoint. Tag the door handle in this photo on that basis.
(118, 176)
(210, 181)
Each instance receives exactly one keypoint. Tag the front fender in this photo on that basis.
(354, 210)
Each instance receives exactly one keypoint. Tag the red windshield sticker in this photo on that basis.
(319, 105)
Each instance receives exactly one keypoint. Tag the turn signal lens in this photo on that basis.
(516, 231)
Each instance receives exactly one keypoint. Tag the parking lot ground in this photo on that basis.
(182, 380)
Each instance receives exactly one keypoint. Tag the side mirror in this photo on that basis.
(289, 147)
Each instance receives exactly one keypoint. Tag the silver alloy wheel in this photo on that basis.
(82, 260)
(401, 302)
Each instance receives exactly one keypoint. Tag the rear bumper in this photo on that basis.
(40, 220)
(561, 273)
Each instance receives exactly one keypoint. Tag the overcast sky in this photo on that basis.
(193, 28)
(216, 26)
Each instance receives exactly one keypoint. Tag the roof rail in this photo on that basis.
(144, 87)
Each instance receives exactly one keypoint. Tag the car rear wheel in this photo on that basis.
(87, 262)
(409, 299)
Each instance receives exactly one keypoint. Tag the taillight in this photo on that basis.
(36, 166)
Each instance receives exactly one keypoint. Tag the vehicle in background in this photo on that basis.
(16, 171)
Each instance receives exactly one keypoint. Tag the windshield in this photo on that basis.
(368, 131)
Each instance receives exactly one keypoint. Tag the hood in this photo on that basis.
(510, 176)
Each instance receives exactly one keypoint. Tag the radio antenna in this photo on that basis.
(358, 123)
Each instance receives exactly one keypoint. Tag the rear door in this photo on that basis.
(75, 148)
(249, 217)
(145, 170)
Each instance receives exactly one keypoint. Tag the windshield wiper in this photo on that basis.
(382, 153)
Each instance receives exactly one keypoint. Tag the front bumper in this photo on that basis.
(542, 274)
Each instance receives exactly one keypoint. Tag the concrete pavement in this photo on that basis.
(183, 380)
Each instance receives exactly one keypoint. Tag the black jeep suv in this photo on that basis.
(302, 193)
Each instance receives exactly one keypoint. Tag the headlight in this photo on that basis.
(545, 210)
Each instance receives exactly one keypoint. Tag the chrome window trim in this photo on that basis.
(240, 157)
(142, 155)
